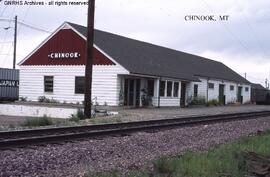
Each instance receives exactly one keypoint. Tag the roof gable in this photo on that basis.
(64, 47)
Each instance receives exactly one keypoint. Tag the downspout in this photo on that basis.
(159, 92)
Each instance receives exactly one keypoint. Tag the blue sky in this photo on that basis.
(242, 42)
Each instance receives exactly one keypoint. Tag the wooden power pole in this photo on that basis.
(15, 43)
(89, 59)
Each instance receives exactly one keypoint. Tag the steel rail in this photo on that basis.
(59, 134)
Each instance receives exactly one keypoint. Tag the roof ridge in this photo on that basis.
(148, 43)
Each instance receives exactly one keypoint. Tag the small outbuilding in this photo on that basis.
(126, 72)
(9, 84)
(259, 94)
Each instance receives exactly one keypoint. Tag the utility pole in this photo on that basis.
(245, 75)
(89, 59)
(15, 43)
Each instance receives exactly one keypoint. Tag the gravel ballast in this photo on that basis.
(121, 153)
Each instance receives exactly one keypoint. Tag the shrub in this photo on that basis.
(78, 116)
(23, 98)
(213, 102)
(36, 122)
(199, 100)
(43, 99)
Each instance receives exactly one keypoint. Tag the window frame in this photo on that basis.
(45, 84)
(164, 90)
(169, 90)
(210, 83)
(75, 86)
(246, 89)
(176, 83)
(197, 90)
(231, 87)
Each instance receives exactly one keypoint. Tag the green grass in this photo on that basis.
(36, 122)
(225, 160)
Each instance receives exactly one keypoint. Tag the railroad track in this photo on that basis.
(47, 135)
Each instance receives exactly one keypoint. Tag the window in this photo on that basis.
(79, 85)
(195, 90)
(162, 88)
(211, 85)
(175, 89)
(231, 88)
(169, 88)
(48, 83)
(246, 89)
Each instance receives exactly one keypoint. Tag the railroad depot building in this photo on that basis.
(125, 72)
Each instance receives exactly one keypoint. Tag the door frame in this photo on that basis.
(183, 94)
(136, 95)
(221, 98)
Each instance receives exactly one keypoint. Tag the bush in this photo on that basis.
(23, 98)
(78, 116)
(36, 122)
(212, 103)
(43, 99)
(199, 100)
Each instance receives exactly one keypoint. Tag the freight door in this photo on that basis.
(222, 98)
(239, 95)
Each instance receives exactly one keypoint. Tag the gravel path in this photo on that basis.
(121, 153)
(126, 115)
(161, 113)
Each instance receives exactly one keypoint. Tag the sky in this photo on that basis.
(241, 42)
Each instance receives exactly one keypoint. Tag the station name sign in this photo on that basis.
(68, 55)
(9, 83)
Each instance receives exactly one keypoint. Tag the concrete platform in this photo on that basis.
(139, 114)
(163, 113)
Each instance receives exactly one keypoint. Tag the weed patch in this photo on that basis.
(36, 122)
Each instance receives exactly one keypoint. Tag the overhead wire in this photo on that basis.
(26, 25)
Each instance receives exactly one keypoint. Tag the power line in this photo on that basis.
(32, 27)
(26, 25)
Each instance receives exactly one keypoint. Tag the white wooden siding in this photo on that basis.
(213, 94)
(105, 84)
(166, 101)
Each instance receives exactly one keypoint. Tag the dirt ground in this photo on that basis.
(11, 120)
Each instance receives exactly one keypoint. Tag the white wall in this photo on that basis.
(36, 111)
(213, 94)
(105, 84)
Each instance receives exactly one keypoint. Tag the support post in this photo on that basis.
(89, 59)
(159, 92)
(15, 43)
